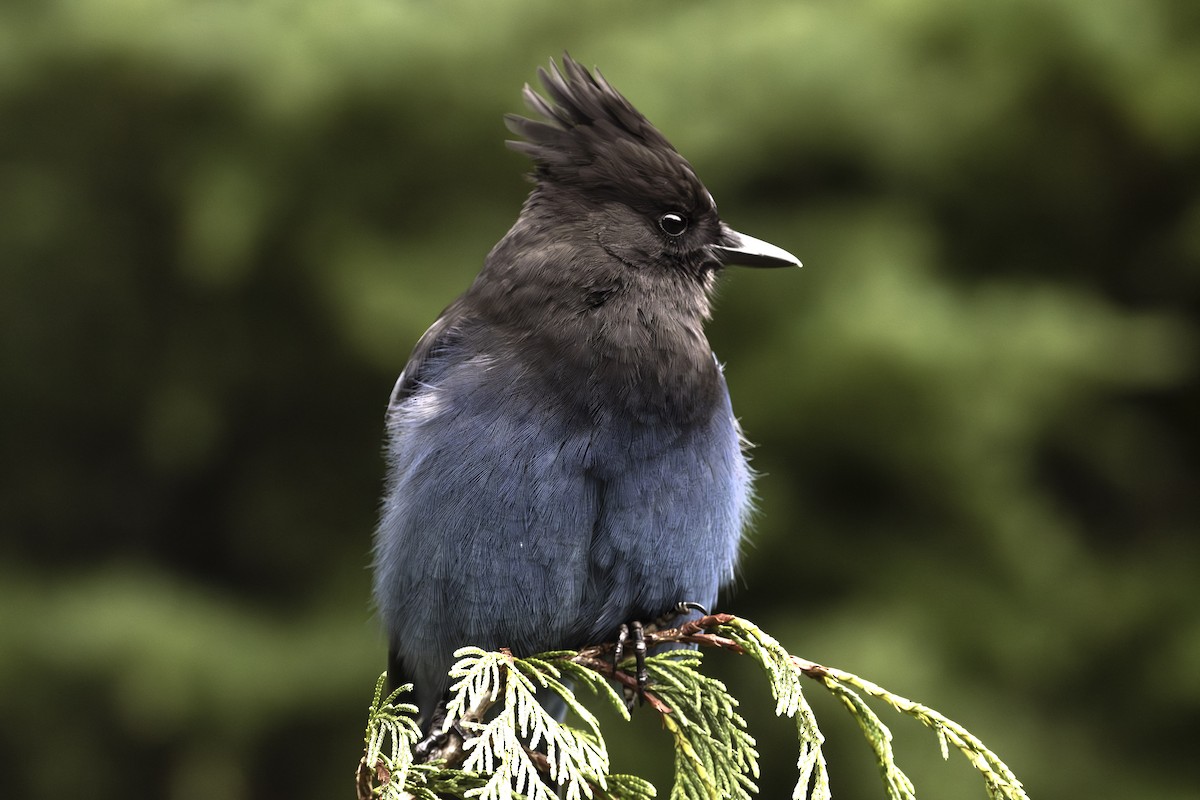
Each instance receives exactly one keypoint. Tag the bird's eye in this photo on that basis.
(673, 224)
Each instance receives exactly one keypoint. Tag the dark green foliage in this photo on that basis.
(223, 225)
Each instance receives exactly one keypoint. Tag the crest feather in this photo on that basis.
(592, 138)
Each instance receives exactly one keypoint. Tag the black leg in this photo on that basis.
(619, 650)
(637, 632)
(639, 655)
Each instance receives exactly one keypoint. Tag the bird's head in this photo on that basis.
(596, 157)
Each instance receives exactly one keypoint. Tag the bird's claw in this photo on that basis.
(680, 609)
(687, 606)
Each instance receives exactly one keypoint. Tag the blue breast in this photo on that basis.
(510, 519)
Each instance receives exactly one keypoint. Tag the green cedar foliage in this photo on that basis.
(504, 745)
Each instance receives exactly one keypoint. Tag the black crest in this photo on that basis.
(593, 139)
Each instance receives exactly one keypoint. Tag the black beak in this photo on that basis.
(745, 251)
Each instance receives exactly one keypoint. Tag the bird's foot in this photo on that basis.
(435, 742)
(641, 675)
(442, 743)
(636, 631)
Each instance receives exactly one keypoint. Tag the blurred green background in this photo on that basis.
(223, 225)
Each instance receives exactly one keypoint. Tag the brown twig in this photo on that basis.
(696, 631)
(811, 668)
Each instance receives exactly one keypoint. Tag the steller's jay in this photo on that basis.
(562, 455)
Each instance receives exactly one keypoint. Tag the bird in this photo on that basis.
(562, 457)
